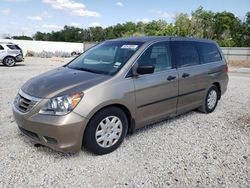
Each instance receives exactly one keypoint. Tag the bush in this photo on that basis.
(30, 53)
(62, 54)
(46, 54)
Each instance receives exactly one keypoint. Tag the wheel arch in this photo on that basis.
(131, 121)
(217, 84)
(9, 56)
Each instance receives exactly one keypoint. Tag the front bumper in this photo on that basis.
(61, 133)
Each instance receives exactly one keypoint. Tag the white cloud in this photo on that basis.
(144, 20)
(51, 26)
(166, 15)
(120, 4)
(46, 14)
(13, 23)
(75, 24)
(95, 24)
(81, 12)
(75, 8)
(169, 16)
(28, 31)
(65, 4)
(38, 18)
(5, 12)
(16, 1)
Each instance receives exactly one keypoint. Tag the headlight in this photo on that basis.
(61, 105)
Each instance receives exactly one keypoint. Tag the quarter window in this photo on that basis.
(1, 48)
(158, 55)
(185, 53)
(209, 52)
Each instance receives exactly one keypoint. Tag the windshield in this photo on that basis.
(105, 58)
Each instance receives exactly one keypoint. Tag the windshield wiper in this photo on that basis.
(87, 70)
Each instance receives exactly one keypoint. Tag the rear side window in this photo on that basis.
(1, 48)
(13, 47)
(185, 53)
(209, 52)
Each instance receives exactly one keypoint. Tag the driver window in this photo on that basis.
(158, 55)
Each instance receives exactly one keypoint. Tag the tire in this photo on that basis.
(9, 61)
(73, 53)
(103, 136)
(211, 100)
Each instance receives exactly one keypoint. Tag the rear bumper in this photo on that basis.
(61, 133)
(19, 58)
(224, 84)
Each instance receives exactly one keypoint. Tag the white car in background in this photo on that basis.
(76, 53)
(10, 54)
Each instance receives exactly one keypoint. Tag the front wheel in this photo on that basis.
(9, 61)
(73, 53)
(106, 131)
(211, 100)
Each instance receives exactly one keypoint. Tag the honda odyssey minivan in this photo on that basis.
(118, 86)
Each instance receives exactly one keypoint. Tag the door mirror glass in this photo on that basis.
(146, 69)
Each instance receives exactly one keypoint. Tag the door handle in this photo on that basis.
(184, 75)
(171, 78)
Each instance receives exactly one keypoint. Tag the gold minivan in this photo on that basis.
(118, 86)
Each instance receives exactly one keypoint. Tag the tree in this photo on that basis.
(22, 38)
(129, 29)
(155, 27)
(118, 30)
(39, 36)
(246, 31)
(202, 23)
(97, 34)
(227, 28)
(182, 25)
(224, 27)
(110, 32)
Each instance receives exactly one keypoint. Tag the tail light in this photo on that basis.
(226, 69)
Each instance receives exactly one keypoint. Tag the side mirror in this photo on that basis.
(146, 69)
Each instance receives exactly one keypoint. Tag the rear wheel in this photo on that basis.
(106, 131)
(211, 100)
(9, 61)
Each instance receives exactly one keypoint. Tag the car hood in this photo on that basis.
(61, 81)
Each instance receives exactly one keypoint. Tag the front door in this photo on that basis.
(156, 94)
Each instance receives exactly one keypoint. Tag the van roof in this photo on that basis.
(145, 39)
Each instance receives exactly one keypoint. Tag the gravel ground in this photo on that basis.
(191, 150)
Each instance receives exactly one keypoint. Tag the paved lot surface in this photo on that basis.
(191, 150)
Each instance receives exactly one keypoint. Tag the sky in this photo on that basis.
(26, 17)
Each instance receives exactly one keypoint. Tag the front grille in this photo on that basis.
(24, 103)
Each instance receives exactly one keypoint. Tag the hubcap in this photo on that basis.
(212, 99)
(109, 131)
(10, 62)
